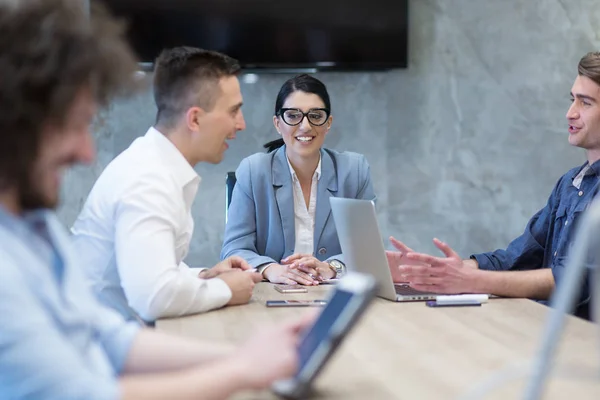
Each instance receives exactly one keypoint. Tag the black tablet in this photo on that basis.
(345, 306)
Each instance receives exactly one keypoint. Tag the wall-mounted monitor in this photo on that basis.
(274, 34)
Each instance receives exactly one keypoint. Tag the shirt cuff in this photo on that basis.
(196, 271)
(122, 344)
(97, 389)
(257, 262)
(218, 293)
(483, 262)
(264, 266)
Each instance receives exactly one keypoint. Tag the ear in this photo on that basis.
(328, 124)
(276, 123)
(193, 117)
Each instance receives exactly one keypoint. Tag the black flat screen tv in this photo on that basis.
(274, 34)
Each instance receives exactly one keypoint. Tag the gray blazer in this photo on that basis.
(261, 223)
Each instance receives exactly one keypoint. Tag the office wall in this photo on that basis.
(466, 144)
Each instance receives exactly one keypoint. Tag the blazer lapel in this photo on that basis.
(326, 188)
(282, 185)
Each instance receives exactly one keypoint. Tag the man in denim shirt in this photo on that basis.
(56, 340)
(534, 262)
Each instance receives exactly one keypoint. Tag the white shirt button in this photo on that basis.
(555, 253)
(580, 193)
(566, 222)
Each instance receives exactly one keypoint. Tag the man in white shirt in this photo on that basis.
(135, 228)
(57, 341)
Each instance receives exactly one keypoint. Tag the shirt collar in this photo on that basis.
(595, 168)
(587, 169)
(27, 224)
(317, 171)
(179, 167)
(24, 221)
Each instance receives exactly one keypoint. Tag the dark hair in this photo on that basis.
(188, 76)
(50, 51)
(304, 83)
(589, 66)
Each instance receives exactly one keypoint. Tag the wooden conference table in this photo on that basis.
(410, 351)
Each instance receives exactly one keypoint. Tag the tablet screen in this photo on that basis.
(344, 308)
(322, 326)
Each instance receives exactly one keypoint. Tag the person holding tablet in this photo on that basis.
(58, 341)
(279, 218)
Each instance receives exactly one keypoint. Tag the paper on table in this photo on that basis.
(458, 298)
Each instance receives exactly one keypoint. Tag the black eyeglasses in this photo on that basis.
(294, 116)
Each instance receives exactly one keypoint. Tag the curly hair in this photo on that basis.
(51, 50)
(589, 66)
(188, 76)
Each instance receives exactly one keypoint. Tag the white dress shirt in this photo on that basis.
(134, 232)
(304, 218)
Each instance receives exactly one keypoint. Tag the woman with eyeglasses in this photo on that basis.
(279, 218)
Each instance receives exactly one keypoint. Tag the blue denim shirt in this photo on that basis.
(56, 340)
(548, 235)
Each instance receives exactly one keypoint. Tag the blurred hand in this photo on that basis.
(241, 284)
(308, 264)
(438, 274)
(278, 273)
(227, 265)
(397, 258)
(271, 354)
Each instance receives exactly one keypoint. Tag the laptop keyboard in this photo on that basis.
(405, 290)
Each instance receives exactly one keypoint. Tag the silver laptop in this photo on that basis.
(362, 246)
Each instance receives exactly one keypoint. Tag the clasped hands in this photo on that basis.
(303, 269)
(238, 275)
(230, 264)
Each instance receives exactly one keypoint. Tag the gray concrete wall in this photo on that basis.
(466, 144)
